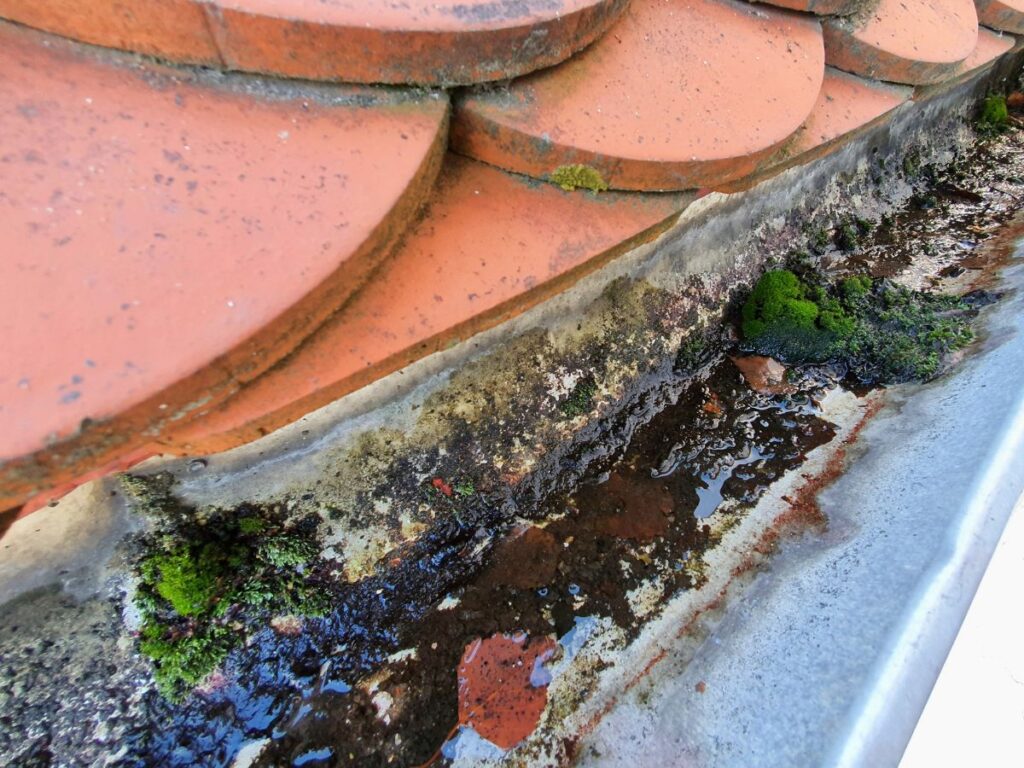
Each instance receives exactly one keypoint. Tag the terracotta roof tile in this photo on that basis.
(904, 41)
(433, 42)
(678, 95)
(193, 254)
(1007, 15)
(490, 246)
(166, 240)
(846, 104)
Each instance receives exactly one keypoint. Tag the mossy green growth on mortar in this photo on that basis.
(882, 332)
(994, 115)
(580, 399)
(201, 583)
(571, 177)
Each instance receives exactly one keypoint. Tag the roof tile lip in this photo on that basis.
(175, 30)
(678, 95)
(1004, 15)
(490, 245)
(415, 42)
(991, 45)
(184, 242)
(411, 15)
(817, 7)
(847, 105)
(915, 42)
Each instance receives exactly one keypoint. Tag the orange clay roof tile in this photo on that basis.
(431, 42)
(904, 41)
(680, 94)
(192, 253)
(846, 104)
(165, 240)
(490, 245)
(1007, 15)
(817, 7)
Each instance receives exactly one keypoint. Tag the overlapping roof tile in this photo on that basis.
(678, 95)
(165, 240)
(904, 41)
(432, 42)
(490, 245)
(196, 258)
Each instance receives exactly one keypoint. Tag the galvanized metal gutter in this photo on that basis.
(829, 656)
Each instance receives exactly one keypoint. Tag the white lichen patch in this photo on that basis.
(286, 625)
(561, 382)
(403, 655)
(411, 529)
(448, 603)
(383, 701)
(360, 550)
(646, 598)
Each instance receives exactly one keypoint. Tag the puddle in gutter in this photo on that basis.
(587, 557)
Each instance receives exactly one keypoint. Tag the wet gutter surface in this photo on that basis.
(635, 532)
(473, 628)
(828, 658)
(631, 537)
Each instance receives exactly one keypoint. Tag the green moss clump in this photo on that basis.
(184, 659)
(778, 301)
(186, 578)
(198, 586)
(882, 332)
(994, 116)
(851, 232)
(286, 551)
(464, 488)
(693, 351)
(855, 287)
(251, 525)
(580, 400)
(571, 177)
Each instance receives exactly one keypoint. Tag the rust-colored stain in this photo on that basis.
(905, 41)
(525, 559)
(675, 96)
(802, 514)
(490, 246)
(1007, 15)
(503, 686)
(431, 42)
(166, 241)
(632, 506)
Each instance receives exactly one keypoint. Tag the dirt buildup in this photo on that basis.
(613, 548)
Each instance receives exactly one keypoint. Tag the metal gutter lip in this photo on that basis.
(828, 656)
(882, 719)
